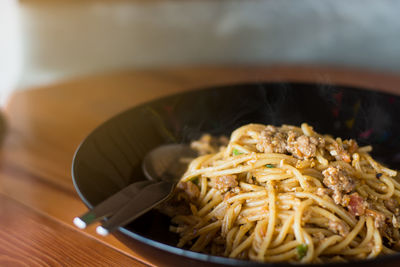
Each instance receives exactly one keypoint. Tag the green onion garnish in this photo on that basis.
(302, 250)
(237, 152)
(270, 166)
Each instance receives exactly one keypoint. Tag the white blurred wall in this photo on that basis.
(64, 39)
(10, 48)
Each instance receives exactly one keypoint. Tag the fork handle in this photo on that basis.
(110, 205)
(147, 198)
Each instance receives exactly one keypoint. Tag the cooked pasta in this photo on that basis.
(286, 194)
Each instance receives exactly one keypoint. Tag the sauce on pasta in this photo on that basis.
(286, 194)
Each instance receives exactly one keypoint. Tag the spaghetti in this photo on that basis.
(287, 194)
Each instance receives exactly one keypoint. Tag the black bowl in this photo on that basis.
(110, 157)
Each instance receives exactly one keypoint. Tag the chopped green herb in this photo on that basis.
(302, 250)
(270, 166)
(237, 152)
(195, 180)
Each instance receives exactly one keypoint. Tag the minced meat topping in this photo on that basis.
(275, 140)
(339, 181)
(272, 140)
(226, 182)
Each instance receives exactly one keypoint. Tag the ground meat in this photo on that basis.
(343, 151)
(303, 147)
(350, 145)
(226, 182)
(339, 181)
(339, 227)
(277, 140)
(190, 189)
(345, 200)
(357, 205)
(272, 140)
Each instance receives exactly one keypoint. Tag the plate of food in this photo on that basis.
(286, 173)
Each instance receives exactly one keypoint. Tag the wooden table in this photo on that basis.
(45, 126)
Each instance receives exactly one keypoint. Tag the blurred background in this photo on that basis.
(45, 41)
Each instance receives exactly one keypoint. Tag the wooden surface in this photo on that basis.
(45, 126)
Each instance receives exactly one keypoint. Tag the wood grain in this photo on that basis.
(31, 239)
(46, 125)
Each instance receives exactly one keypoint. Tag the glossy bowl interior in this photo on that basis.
(110, 157)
